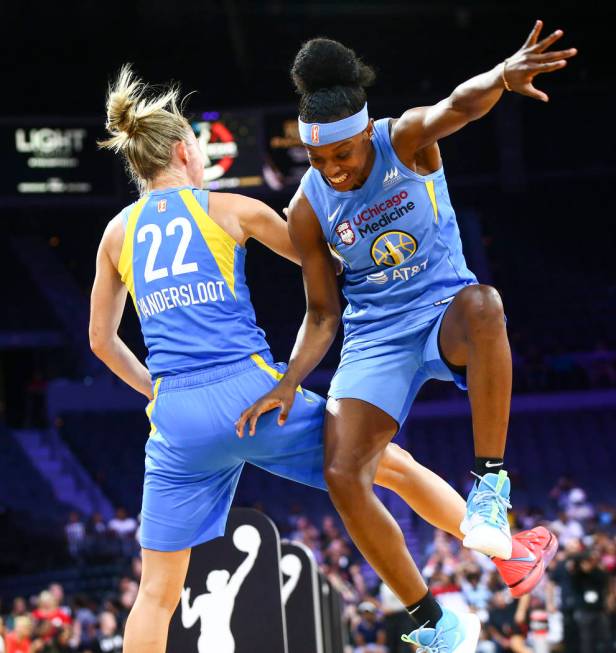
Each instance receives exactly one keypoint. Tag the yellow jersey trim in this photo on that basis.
(218, 241)
(125, 264)
(150, 407)
(267, 368)
(275, 373)
(431, 193)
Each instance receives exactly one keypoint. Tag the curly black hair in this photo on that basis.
(331, 80)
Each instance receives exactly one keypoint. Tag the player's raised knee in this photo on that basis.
(483, 310)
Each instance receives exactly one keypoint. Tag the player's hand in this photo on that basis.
(532, 59)
(282, 396)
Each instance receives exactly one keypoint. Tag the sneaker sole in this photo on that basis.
(472, 627)
(529, 582)
(492, 542)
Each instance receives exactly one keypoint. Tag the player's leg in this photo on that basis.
(473, 336)
(356, 434)
(190, 479)
(439, 504)
(426, 493)
(162, 580)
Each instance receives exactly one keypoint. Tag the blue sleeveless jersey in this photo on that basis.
(398, 238)
(186, 278)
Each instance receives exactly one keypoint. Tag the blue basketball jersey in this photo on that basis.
(398, 238)
(186, 277)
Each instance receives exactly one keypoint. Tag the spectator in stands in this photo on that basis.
(507, 623)
(19, 640)
(567, 529)
(96, 525)
(98, 543)
(109, 639)
(369, 633)
(19, 609)
(330, 531)
(57, 591)
(75, 533)
(560, 577)
(50, 616)
(396, 620)
(449, 593)
(476, 593)
(60, 642)
(85, 616)
(590, 587)
(578, 507)
(124, 527)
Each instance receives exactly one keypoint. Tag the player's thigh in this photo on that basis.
(191, 467)
(294, 450)
(356, 434)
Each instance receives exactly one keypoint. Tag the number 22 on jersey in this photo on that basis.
(178, 266)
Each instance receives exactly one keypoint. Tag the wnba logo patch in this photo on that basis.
(314, 133)
(162, 206)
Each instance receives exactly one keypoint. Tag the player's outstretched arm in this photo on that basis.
(106, 308)
(419, 127)
(255, 219)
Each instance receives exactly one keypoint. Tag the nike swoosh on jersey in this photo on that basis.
(332, 217)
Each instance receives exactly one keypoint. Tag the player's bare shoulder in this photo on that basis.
(113, 239)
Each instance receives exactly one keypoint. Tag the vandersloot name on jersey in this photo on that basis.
(187, 294)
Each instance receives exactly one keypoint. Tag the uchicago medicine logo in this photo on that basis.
(382, 214)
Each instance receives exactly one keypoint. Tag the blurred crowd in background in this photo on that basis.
(572, 611)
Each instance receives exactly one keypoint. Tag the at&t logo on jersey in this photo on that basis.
(346, 233)
(393, 248)
(378, 277)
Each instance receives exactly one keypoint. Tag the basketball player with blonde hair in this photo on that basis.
(179, 252)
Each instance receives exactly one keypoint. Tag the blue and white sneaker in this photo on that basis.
(485, 525)
(453, 633)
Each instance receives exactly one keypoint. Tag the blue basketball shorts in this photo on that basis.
(194, 458)
(389, 372)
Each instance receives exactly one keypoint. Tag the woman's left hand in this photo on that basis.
(532, 59)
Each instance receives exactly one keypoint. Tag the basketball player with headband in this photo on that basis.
(376, 195)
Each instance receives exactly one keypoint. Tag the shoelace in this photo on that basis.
(437, 645)
(484, 500)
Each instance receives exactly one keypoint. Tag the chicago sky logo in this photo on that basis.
(391, 177)
(393, 248)
(346, 233)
